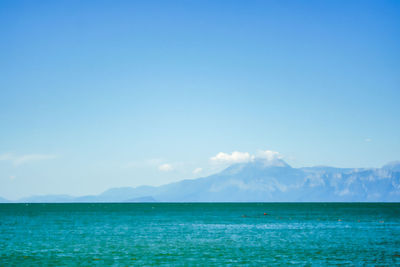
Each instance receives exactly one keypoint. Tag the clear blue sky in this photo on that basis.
(100, 94)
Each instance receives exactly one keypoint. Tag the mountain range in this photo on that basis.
(261, 181)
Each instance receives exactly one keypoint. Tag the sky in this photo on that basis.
(101, 94)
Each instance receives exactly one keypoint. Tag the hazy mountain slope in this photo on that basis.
(3, 200)
(393, 166)
(47, 198)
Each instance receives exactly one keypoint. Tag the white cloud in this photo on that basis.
(234, 157)
(197, 170)
(368, 140)
(269, 155)
(240, 157)
(18, 160)
(165, 167)
(12, 177)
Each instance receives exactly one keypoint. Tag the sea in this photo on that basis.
(200, 234)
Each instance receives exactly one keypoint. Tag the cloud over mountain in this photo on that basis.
(165, 167)
(242, 157)
(234, 157)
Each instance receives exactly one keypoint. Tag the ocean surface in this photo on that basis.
(200, 234)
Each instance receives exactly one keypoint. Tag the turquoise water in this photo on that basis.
(200, 234)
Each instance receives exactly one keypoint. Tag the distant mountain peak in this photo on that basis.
(277, 162)
(394, 166)
(257, 163)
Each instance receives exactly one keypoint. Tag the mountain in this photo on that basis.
(263, 181)
(393, 166)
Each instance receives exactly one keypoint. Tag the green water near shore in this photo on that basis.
(200, 234)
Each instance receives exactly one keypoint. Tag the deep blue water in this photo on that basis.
(200, 234)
